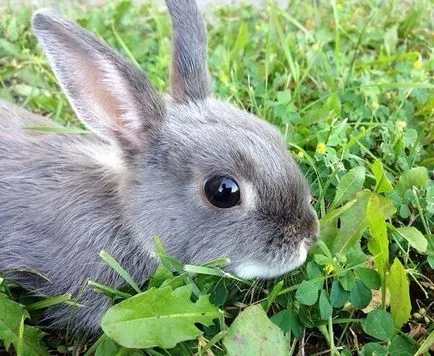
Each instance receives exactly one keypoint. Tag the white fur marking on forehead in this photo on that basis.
(248, 195)
(258, 269)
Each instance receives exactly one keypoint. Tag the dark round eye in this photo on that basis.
(222, 192)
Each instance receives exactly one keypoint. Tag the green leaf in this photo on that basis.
(11, 317)
(402, 345)
(373, 349)
(325, 308)
(307, 292)
(417, 176)
(241, 41)
(379, 324)
(107, 347)
(391, 39)
(382, 182)
(322, 259)
(333, 104)
(355, 256)
(347, 280)
(273, 294)
(360, 296)
(288, 321)
(351, 183)
(378, 243)
(369, 277)
(400, 303)
(283, 320)
(253, 333)
(338, 295)
(314, 272)
(414, 237)
(158, 317)
(353, 223)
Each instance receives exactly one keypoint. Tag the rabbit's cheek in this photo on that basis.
(262, 269)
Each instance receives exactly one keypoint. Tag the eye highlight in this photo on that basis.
(222, 191)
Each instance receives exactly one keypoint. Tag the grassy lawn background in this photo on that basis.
(350, 85)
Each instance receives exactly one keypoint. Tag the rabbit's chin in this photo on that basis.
(259, 269)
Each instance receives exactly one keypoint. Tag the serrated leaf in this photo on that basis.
(382, 182)
(378, 243)
(351, 183)
(253, 333)
(400, 303)
(11, 316)
(360, 296)
(158, 317)
(414, 237)
(353, 223)
(369, 277)
(379, 324)
(338, 295)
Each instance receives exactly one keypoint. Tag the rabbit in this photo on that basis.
(210, 180)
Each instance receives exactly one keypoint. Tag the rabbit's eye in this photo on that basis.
(222, 192)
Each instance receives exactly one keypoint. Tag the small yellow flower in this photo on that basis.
(401, 125)
(300, 154)
(257, 27)
(321, 148)
(224, 79)
(329, 269)
(374, 105)
(417, 64)
(310, 24)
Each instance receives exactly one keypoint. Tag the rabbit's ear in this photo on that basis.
(110, 95)
(189, 72)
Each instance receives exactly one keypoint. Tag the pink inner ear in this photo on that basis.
(102, 100)
(99, 107)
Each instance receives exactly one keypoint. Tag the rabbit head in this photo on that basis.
(209, 179)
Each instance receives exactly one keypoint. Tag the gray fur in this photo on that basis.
(15, 118)
(189, 72)
(140, 173)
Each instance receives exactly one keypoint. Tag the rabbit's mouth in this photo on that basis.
(261, 269)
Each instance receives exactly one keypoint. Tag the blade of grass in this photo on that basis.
(119, 269)
(49, 302)
(111, 292)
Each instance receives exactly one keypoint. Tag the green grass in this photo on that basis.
(350, 84)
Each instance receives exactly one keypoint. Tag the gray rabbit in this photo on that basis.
(207, 178)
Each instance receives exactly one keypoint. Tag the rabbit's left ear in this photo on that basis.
(189, 71)
(110, 95)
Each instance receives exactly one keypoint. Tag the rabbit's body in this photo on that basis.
(50, 190)
(209, 179)
(12, 118)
